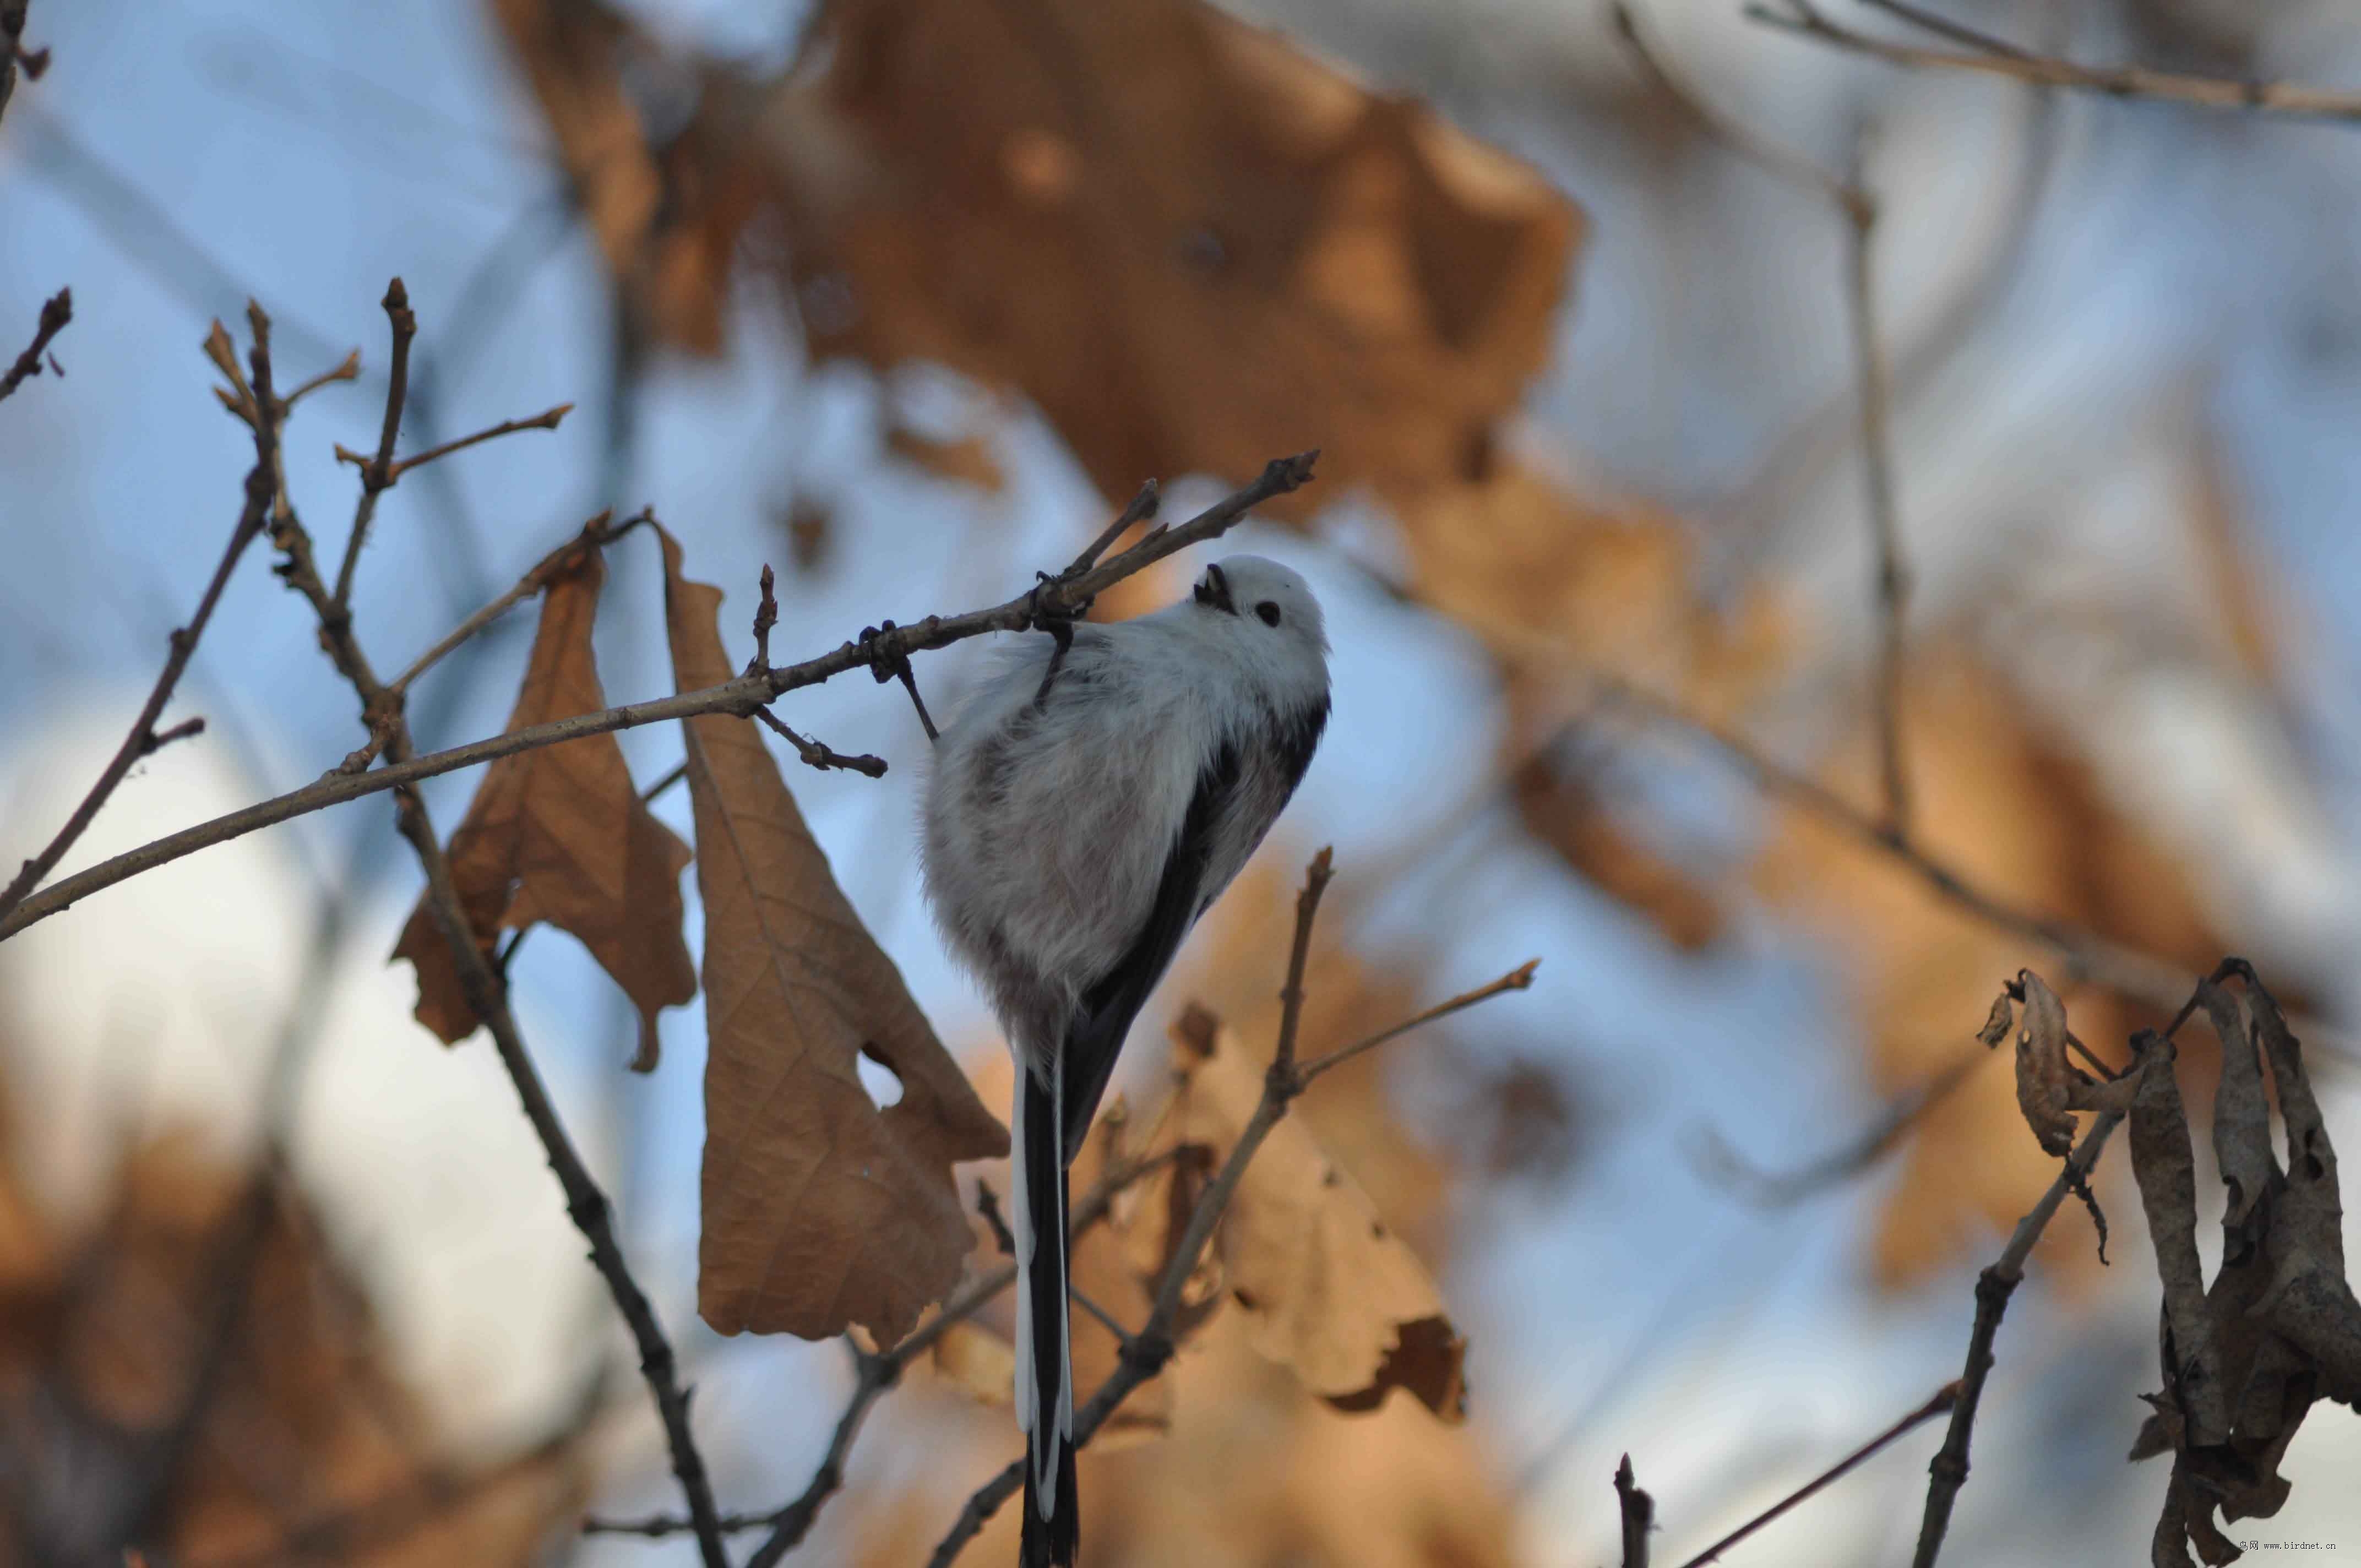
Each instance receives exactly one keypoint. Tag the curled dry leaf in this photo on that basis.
(560, 834)
(2045, 1084)
(1326, 1287)
(2279, 1327)
(821, 1211)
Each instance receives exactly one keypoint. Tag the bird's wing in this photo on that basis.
(1095, 1038)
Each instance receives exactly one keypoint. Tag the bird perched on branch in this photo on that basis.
(1084, 809)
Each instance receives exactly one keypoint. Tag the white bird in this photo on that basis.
(1080, 816)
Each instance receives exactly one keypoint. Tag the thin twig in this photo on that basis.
(1638, 1510)
(12, 50)
(1142, 508)
(56, 311)
(142, 740)
(741, 697)
(1517, 979)
(766, 616)
(1857, 207)
(349, 370)
(987, 1206)
(1780, 1189)
(379, 476)
(596, 533)
(1892, 582)
(1996, 56)
(819, 756)
(548, 419)
(1945, 1398)
(1317, 877)
(1770, 156)
(187, 730)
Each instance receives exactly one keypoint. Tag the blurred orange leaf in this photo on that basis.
(666, 221)
(560, 834)
(1179, 234)
(821, 1211)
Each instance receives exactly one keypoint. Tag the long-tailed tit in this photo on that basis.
(1080, 817)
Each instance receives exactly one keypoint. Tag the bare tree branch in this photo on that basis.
(1857, 207)
(143, 739)
(1944, 1399)
(1996, 57)
(741, 697)
(1638, 1510)
(12, 50)
(379, 476)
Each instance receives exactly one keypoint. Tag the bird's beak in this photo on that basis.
(1215, 590)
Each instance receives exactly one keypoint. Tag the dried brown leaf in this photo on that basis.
(2279, 1327)
(1329, 1290)
(560, 834)
(821, 1211)
(2044, 1083)
(2165, 1166)
(2242, 1120)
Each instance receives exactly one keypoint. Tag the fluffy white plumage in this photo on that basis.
(1073, 833)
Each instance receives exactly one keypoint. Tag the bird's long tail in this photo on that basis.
(1045, 1366)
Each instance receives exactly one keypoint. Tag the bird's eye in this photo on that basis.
(1268, 611)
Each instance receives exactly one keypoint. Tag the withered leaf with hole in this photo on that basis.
(2044, 1083)
(1327, 1288)
(560, 834)
(821, 1211)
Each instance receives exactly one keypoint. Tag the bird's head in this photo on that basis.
(1275, 615)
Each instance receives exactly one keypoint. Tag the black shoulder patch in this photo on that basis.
(1108, 1007)
(1298, 736)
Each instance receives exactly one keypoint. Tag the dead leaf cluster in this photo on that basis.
(2245, 1358)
